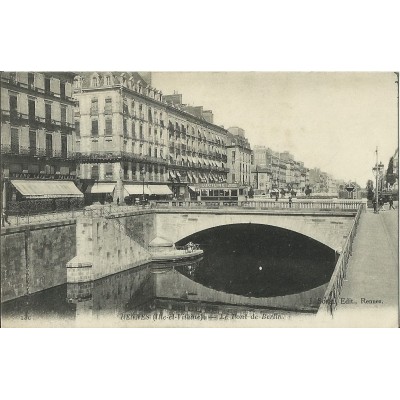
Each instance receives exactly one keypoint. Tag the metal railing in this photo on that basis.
(332, 293)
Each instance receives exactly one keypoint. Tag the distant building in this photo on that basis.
(261, 179)
(238, 157)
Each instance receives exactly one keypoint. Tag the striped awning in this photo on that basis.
(160, 190)
(135, 190)
(98, 188)
(35, 189)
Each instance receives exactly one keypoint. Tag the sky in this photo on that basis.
(333, 121)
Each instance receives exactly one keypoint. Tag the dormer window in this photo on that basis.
(108, 80)
(94, 81)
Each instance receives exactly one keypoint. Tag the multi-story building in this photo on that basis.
(239, 157)
(37, 137)
(261, 179)
(132, 140)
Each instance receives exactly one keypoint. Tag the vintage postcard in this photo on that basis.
(199, 199)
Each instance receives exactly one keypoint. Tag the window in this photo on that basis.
(125, 108)
(95, 127)
(13, 108)
(109, 171)
(78, 128)
(95, 172)
(77, 82)
(62, 90)
(108, 106)
(63, 115)
(108, 127)
(108, 80)
(94, 109)
(48, 113)
(49, 144)
(31, 110)
(31, 80)
(133, 130)
(14, 140)
(64, 146)
(47, 85)
(32, 142)
(125, 127)
(94, 81)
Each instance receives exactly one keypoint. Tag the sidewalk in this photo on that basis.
(370, 294)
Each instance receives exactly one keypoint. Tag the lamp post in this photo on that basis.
(377, 171)
(143, 171)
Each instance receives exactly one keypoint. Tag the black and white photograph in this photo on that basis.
(199, 199)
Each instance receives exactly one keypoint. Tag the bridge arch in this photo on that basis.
(328, 230)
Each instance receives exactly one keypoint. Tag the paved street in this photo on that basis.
(371, 287)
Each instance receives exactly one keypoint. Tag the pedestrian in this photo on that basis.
(290, 201)
(4, 218)
(391, 203)
(374, 205)
(118, 201)
(381, 203)
(276, 197)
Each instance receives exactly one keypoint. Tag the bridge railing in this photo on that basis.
(332, 293)
(261, 205)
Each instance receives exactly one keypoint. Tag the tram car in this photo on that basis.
(219, 192)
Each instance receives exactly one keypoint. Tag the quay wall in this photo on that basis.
(108, 245)
(33, 257)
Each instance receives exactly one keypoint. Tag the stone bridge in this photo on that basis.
(107, 244)
(330, 228)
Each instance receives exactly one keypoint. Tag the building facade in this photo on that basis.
(130, 140)
(238, 156)
(37, 136)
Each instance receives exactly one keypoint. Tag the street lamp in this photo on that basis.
(143, 171)
(378, 172)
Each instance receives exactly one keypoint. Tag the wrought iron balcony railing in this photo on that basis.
(17, 150)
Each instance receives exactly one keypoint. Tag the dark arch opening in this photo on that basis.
(260, 260)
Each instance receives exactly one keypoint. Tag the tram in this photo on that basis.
(221, 192)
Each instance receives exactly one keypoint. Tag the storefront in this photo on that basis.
(100, 192)
(35, 196)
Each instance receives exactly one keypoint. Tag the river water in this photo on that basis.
(247, 260)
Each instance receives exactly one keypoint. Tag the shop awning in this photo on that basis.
(101, 188)
(135, 190)
(160, 190)
(35, 189)
(194, 188)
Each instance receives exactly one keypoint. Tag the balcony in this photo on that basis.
(16, 150)
(32, 88)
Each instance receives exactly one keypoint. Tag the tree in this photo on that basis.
(390, 176)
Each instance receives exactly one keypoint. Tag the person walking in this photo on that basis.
(4, 218)
(290, 201)
(276, 197)
(391, 203)
(374, 205)
(381, 204)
